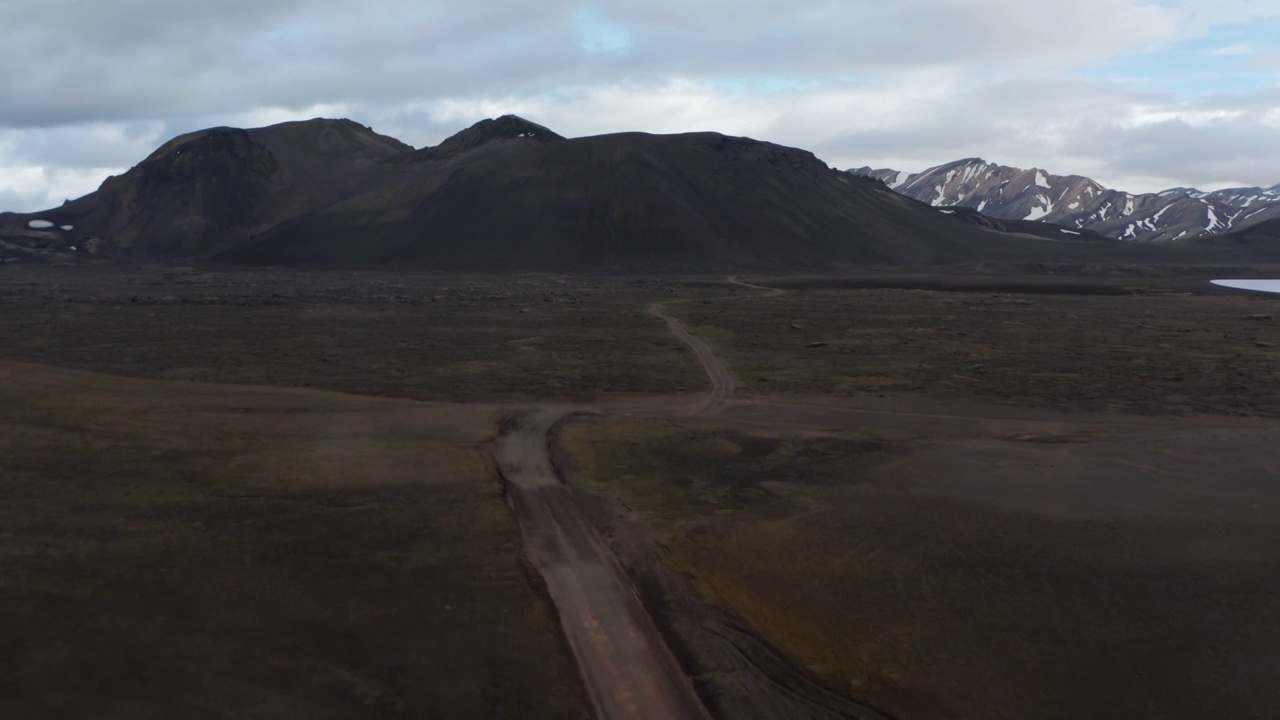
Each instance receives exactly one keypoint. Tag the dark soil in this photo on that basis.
(404, 334)
(1150, 352)
(205, 551)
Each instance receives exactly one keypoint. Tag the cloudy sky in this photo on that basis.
(1139, 94)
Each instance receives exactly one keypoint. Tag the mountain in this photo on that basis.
(506, 129)
(1035, 228)
(508, 194)
(1256, 244)
(1080, 203)
(205, 191)
(690, 202)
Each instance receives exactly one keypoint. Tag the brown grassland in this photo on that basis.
(964, 502)
(176, 549)
(1057, 506)
(1157, 351)
(411, 334)
(971, 573)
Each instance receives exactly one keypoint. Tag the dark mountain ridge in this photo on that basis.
(205, 191)
(494, 130)
(507, 194)
(1045, 230)
(1254, 244)
(690, 202)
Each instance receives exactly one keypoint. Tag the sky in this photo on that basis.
(1141, 95)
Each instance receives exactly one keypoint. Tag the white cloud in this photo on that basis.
(1237, 50)
(1134, 141)
(36, 187)
(905, 84)
(136, 59)
(598, 34)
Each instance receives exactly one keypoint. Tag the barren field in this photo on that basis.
(991, 566)
(1161, 352)
(177, 549)
(945, 503)
(417, 335)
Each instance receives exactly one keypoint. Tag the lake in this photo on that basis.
(1271, 286)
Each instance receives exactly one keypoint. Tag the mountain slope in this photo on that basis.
(507, 194)
(508, 128)
(696, 202)
(1080, 203)
(1255, 244)
(1035, 228)
(207, 190)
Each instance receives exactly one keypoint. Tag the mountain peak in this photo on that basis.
(209, 189)
(1079, 203)
(506, 127)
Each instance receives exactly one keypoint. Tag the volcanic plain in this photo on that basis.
(269, 493)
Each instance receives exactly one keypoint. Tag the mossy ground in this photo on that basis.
(175, 549)
(930, 604)
(414, 335)
(1168, 352)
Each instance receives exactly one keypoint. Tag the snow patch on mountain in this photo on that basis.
(1010, 193)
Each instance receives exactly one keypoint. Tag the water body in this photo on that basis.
(1269, 286)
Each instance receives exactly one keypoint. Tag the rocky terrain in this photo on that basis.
(1079, 203)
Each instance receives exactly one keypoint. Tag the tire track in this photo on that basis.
(723, 382)
(628, 670)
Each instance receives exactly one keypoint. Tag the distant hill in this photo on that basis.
(699, 201)
(507, 195)
(206, 191)
(1080, 203)
(1048, 231)
(1256, 244)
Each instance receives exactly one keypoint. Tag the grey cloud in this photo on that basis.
(97, 66)
(1215, 140)
(1229, 152)
(1069, 126)
(11, 199)
(88, 85)
(927, 141)
(84, 146)
(86, 60)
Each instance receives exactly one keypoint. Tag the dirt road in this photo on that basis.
(627, 667)
(723, 383)
(628, 670)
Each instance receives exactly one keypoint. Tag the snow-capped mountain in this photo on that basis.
(1073, 201)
